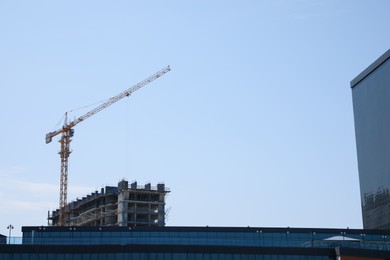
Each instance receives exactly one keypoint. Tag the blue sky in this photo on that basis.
(252, 127)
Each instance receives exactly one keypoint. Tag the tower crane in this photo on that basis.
(67, 132)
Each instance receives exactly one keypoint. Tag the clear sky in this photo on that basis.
(252, 127)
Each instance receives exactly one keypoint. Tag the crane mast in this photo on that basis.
(67, 132)
(66, 138)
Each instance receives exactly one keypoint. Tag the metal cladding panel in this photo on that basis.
(371, 105)
(370, 68)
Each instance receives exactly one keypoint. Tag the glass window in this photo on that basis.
(84, 234)
(86, 257)
(25, 257)
(115, 234)
(179, 256)
(102, 257)
(68, 257)
(214, 256)
(59, 257)
(124, 234)
(106, 234)
(75, 257)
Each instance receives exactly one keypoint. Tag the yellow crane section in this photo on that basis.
(67, 132)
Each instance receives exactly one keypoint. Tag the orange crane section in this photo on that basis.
(67, 132)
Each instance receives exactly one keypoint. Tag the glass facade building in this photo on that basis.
(221, 243)
(371, 106)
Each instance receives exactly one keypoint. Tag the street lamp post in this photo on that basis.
(10, 227)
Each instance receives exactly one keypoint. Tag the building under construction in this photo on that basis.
(117, 206)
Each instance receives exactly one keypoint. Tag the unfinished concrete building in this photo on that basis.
(118, 206)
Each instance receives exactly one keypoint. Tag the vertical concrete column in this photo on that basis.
(122, 208)
(161, 210)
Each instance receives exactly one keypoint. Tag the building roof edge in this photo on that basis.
(370, 68)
